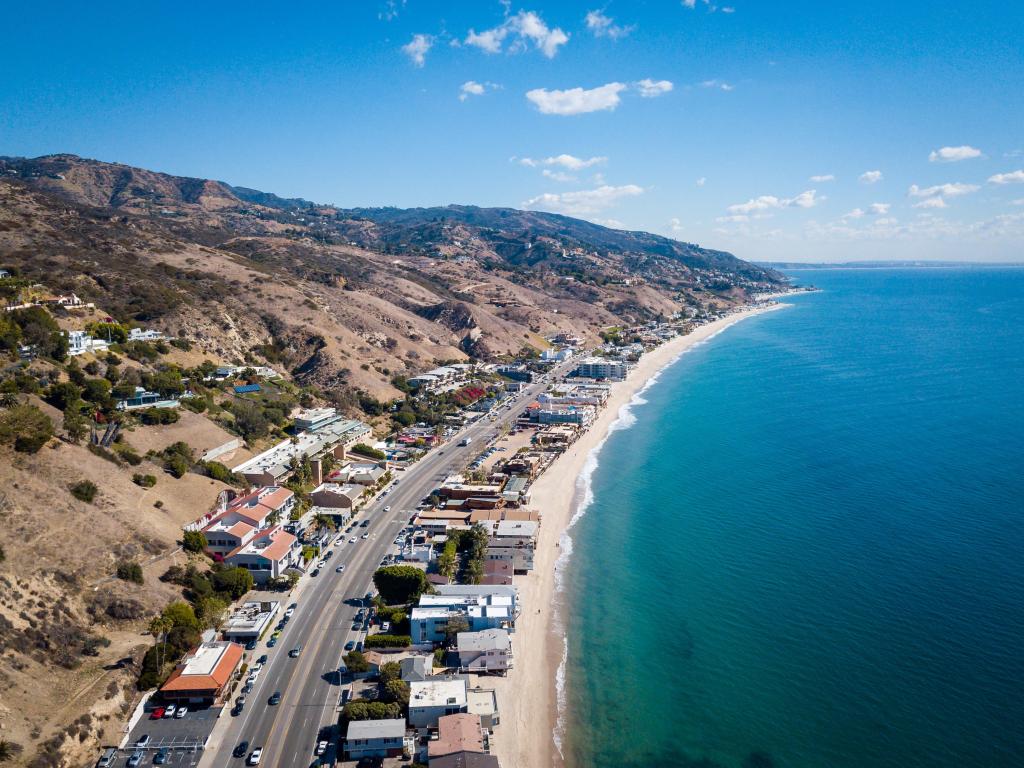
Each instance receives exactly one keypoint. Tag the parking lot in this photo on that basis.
(184, 737)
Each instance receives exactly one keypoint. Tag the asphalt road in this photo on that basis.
(322, 623)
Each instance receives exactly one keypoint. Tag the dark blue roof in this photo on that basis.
(246, 388)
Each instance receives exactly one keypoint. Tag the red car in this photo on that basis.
(156, 714)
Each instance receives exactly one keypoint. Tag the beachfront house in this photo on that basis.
(487, 651)
(432, 699)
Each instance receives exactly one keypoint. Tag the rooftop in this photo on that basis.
(376, 729)
(437, 692)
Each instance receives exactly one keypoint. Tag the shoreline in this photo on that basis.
(531, 713)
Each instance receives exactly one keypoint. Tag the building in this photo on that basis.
(237, 522)
(79, 342)
(432, 699)
(458, 733)
(249, 620)
(203, 675)
(374, 738)
(601, 368)
(314, 419)
(137, 334)
(359, 473)
(268, 555)
(337, 496)
(487, 651)
(275, 464)
(484, 703)
(416, 668)
(514, 541)
(146, 399)
(481, 606)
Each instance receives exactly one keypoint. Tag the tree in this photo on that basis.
(74, 425)
(181, 614)
(323, 521)
(159, 627)
(400, 584)
(396, 691)
(211, 611)
(232, 581)
(249, 420)
(456, 624)
(356, 662)
(27, 426)
(392, 670)
(193, 541)
(63, 395)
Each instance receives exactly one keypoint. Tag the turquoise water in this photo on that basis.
(807, 549)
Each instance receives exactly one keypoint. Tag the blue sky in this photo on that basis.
(797, 130)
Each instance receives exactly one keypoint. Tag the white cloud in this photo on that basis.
(871, 177)
(719, 84)
(651, 88)
(955, 189)
(389, 11)
(856, 213)
(711, 7)
(931, 202)
(879, 209)
(471, 88)
(522, 29)
(417, 48)
(1014, 177)
(562, 176)
(822, 178)
(953, 154)
(576, 101)
(702, 181)
(807, 199)
(583, 202)
(574, 163)
(605, 26)
(675, 225)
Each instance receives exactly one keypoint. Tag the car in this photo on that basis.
(169, 710)
(385, 627)
(340, 540)
(275, 699)
(135, 759)
(161, 756)
(293, 606)
(241, 749)
(280, 625)
(182, 711)
(315, 572)
(251, 645)
(321, 747)
(271, 642)
(107, 758)
(247, 688)
(254, 756)
(156, 714)
(350, 645)
(294, 652)
(339, 569)
(365, 523)
(277, 635)
(352, 540)
(365, 536)
(359, 646)
(262, 660)
(387, 509)
(357, 625)
(142, 741)
(257, 667)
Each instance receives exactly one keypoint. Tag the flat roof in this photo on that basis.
(437, 692)
(376, 729)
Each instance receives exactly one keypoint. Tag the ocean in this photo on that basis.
(802, 545)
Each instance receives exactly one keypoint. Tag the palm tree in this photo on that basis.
(159, 627)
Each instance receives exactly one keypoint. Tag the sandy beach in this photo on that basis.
(528, 696)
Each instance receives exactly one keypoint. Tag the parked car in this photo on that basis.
(254, 756)
(247, 688)
(357, 625)
(271, 642)
(365, 523)
(350, 645)
(182, 711)
(161, 756)
(321, 747)
(289, 613)
(241, 749)
(107, 758)
(315, 572)
(135, 759)
(262, 660)
(275, 699)
(156, 714)
(385, 627)
(293, 606)
(142, 741)
(169, 710)
(251, 645)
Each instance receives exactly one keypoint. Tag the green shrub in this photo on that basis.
(144, 481)
(356, 662)
(218, 471)
(129, 570)
(388, 641)
(194, 404)
(365, 450)
(193, 541)
(27, 426)
(84, 490)
(400, 584)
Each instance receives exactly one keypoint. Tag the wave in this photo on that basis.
(584, 498)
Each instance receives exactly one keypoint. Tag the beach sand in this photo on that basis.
(527, 697)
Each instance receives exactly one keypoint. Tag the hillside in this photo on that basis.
(324, 291)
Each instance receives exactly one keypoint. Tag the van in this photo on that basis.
(107, 758)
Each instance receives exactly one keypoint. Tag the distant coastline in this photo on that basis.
(796, 266)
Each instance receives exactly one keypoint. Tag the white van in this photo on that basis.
(107, 758)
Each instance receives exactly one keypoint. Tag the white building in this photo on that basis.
(313, 419)
(601, 368)
(275, 463)
(432, 699)
(79, 342)
(489, 650)
(374, 738)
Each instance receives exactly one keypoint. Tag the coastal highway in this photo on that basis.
(322, 623)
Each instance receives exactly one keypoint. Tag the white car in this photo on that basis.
(289, 613)
(321, 747)
(182, 711)
(254, 756)
(352, 540)
(365, 536)
(387, 509)
(257, 667)
(170, 710)
(339, 569)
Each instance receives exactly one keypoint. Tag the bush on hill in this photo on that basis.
(84, 490)
(129, 570)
